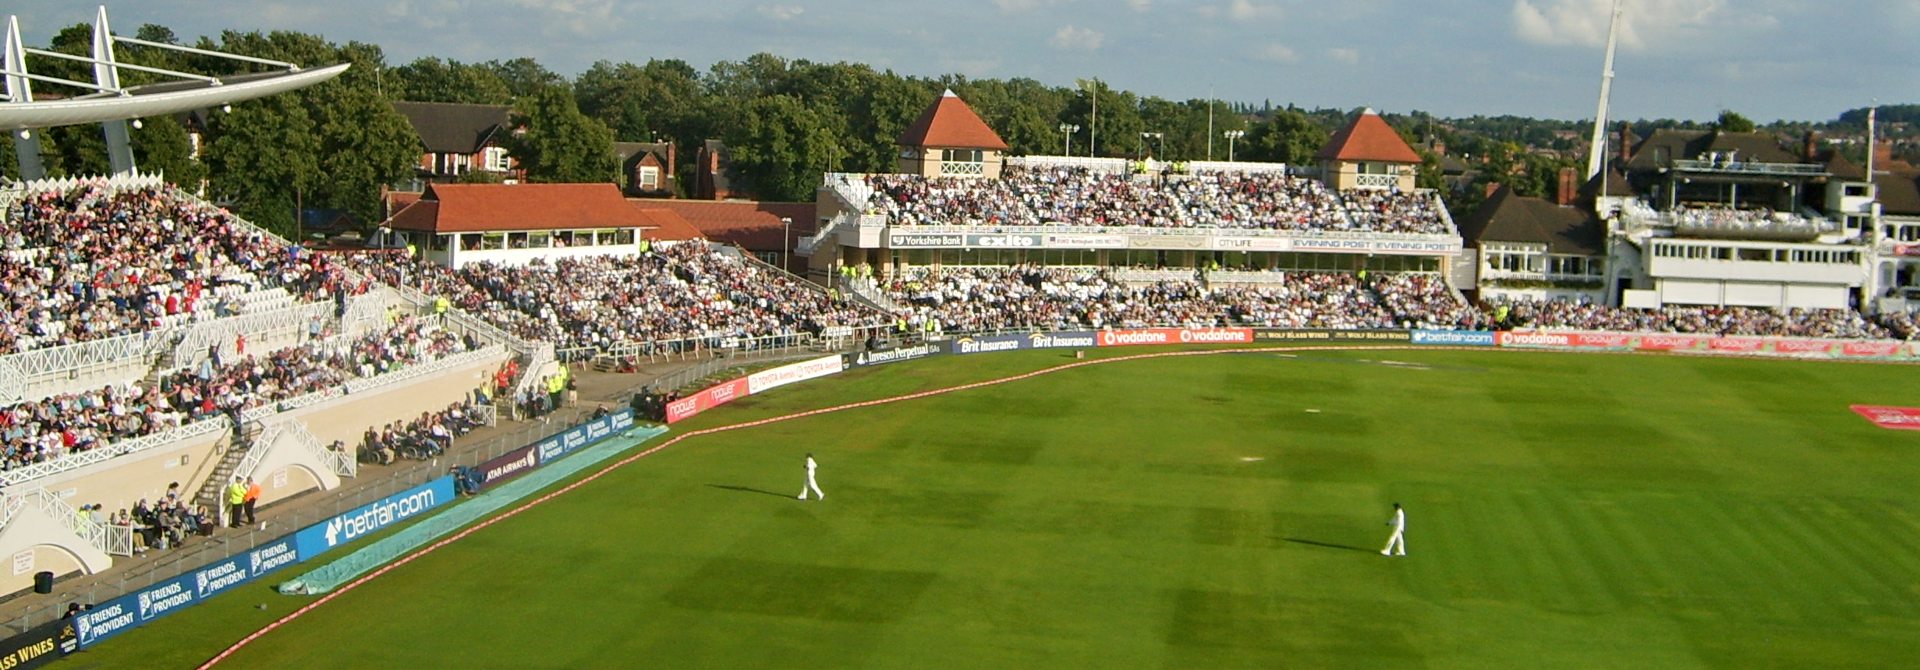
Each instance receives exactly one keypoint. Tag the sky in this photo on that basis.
(1682, 59)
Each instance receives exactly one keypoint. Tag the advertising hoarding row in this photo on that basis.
(907, 238)
(1710, 344)
(758, 382)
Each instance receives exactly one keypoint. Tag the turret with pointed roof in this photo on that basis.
(1367, 153)
(949, 140)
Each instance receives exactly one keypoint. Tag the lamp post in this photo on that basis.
(1159, 137)
(1067, 130)
(1232, 135)
(786, 239)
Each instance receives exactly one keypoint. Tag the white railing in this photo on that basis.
(1239, 277)
(94, 532)
(83, 459)
(419, 370)
(116, 182)
(256, 449)
(343, 464)
(1750, 167)
(968, 169)
(701, 346)
(1445, 216)
(223, 333)
(69, 357)
(1144, 275)
(529, 374)
(1100, 165)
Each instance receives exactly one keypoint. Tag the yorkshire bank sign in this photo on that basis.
(1146, 336)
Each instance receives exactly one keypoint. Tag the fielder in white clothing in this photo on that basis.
(1399, 539)
(811, 485)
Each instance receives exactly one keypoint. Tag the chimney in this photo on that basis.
(1810, 146)
(1564, 197)
(1626, 142)
(1439, 148)
(672, 177)
(1492, 186)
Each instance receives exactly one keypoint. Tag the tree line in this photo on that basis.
(334, 145)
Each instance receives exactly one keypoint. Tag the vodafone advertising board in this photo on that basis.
(708, 398)
(1144, 336)
(765, 380)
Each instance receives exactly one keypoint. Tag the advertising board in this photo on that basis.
(891, 355)
(372, 517)
(703, 400)
(1316, 335)
(1456, 338)
(1145, 336)
(766, 380)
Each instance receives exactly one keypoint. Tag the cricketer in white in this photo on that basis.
(811, 484)
(1399, 539)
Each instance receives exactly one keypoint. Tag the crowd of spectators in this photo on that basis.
(94, 262)
(39, 430)
(1692, 319)
(1022, 297)
(685, 291)
(429, 435)
(1728, 220)
(1075, 196)
(1903, 325)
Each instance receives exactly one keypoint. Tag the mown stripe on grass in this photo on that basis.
(616, 465)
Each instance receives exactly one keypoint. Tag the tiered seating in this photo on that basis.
(1020, 297)
(40, 430)
(1079, 197)
(96, 262)
(679, 292)
(1824, 323)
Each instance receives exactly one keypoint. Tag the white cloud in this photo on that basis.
(1644, 24)
(1074, 38)
(1240, 10)
(1344, 55)
(781, 12)
(1276, 53)
(1144, 5)
(1017, 6)
(1245, 10)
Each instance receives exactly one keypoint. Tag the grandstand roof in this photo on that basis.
(1508, 217)
(1368, 138)
(668, 225)
(1667, 144)
(750, 225)
(468, 208)
(1899, 192)
(950, 123)
(454, 128)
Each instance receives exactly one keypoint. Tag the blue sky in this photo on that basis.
(1768, 59)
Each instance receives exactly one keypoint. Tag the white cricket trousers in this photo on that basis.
(1398, 541)
(811, 486)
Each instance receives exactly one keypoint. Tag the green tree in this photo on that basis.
(435, 80)
(261, 154)
(364, 144)
(1287, 136)
(561, 145)
(780, 148)
(525, 76)
(161, 145)
(1732, 122)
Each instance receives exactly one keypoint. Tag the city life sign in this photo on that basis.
(905, 238)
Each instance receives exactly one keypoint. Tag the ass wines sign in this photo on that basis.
(1896, 418)
(1140, 336)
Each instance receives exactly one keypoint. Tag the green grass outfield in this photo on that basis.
(1564, 511)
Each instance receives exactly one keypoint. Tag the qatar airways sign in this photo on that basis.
(1144, 336)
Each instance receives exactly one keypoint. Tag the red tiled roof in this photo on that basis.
(950, 123)
(467, 208)
(669, 226)
(1368, 138)
(754, 226)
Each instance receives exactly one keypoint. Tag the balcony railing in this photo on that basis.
(1750, 167)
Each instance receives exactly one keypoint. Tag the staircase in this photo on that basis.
(211, 495)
